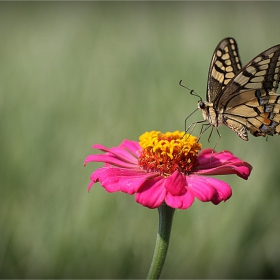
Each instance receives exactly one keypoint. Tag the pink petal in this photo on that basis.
(208, 189)
(118, 152)
(222, 163)
(132, 146)
(242, 171)
(208, 158)
(117, 179)
(223, 190)
(200, 188)
(175, 184)
(111, 160)
(152, 192)
(180, 202)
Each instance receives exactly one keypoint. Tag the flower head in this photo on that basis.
(166, 168)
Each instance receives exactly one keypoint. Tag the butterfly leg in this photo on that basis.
(218, 141)
(210, 134)
(191, 127)
(194, 123)
(203, 129)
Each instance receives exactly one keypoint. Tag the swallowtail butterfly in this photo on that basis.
(243, 98)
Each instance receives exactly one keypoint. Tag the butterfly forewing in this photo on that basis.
(225, 64)
(262, 72)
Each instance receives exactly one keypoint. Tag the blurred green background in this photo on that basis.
(74, 74)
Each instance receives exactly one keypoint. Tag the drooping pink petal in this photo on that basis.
(208, 189)
(222, 163)
(180, 202)
(116, 179)
(208, 158)
(199, 187)
(152, 192)
(223, 190)
(131, 184)
(242, 171)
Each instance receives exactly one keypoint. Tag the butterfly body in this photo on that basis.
(243, 99)
(209, 113)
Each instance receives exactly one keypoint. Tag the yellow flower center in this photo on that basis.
(167, 152)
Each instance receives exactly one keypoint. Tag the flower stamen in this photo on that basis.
(167, 152)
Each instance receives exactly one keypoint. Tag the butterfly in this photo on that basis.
(243, 98)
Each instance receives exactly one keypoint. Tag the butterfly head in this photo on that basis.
(201, 105)
(204, 107)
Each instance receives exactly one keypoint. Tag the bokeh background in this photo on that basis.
(77, 73)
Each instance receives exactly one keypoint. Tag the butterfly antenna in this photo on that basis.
(192, 92)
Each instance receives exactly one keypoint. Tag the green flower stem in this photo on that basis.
(164, 229)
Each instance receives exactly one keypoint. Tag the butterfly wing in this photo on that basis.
(225, 64)
(249, 100)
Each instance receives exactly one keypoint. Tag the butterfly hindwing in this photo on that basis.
(256, 111)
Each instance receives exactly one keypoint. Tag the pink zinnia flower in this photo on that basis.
(165, 168)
